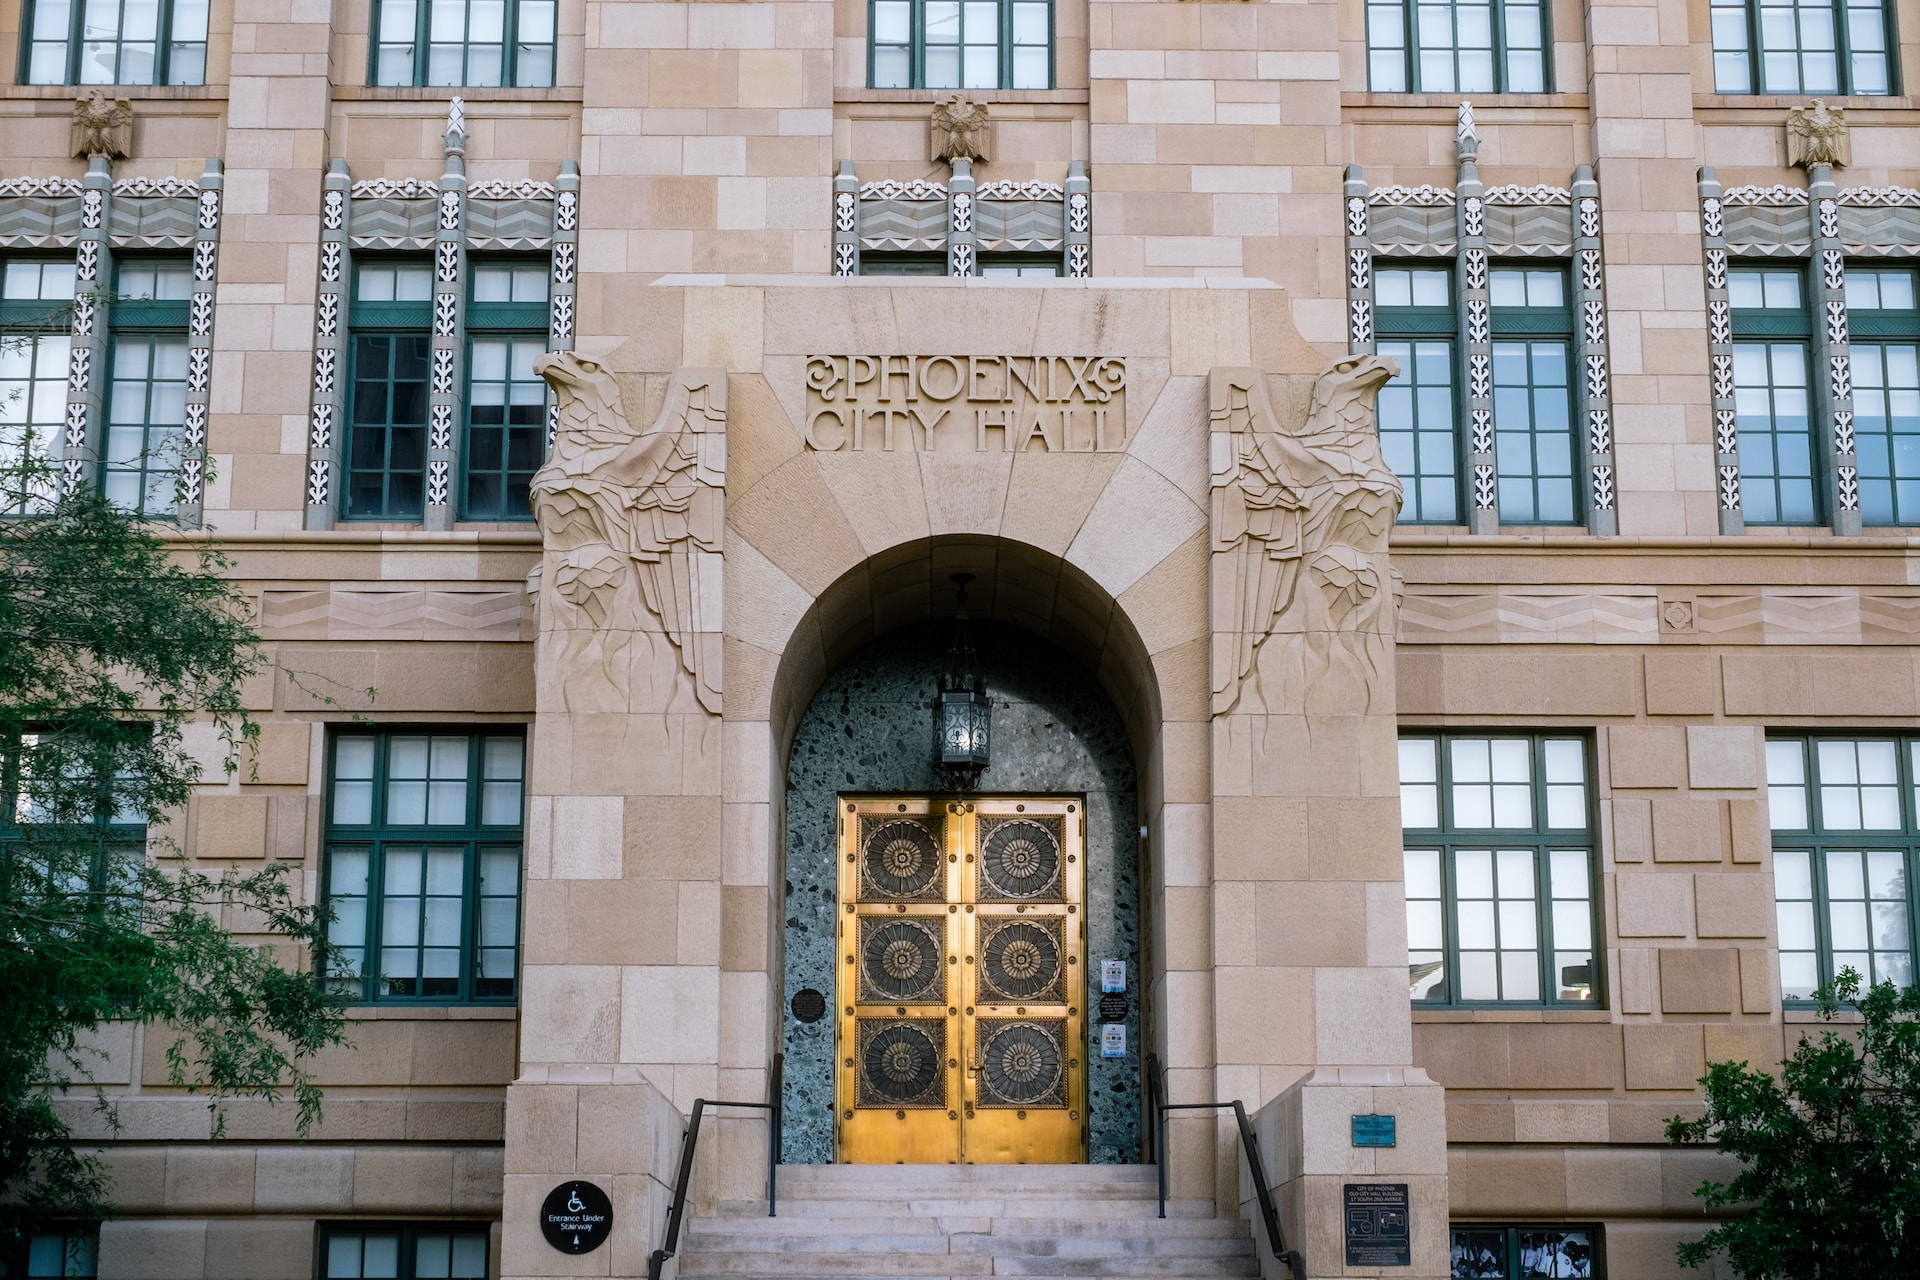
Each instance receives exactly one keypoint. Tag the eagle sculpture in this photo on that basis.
(643, 508)
(102, 126)
(1817, 134)
(1304, 514)
(960, 129)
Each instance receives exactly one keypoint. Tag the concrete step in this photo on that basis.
(1030, 1206)
(999, 1246)
(956, 1222)
(789, 1223)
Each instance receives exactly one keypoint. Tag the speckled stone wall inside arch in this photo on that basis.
(870, 728)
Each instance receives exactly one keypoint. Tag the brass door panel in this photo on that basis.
(962, 956)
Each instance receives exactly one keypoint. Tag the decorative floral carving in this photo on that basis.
(888, 189)
(1010, 190)
(1301, 518)
(1778, 193)
(395, 189)
(1539, 193)
(1421, 195)
(155, 187)
(44, 188)
(633, 521)
(501, 189)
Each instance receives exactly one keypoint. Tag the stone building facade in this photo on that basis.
(1458, 555)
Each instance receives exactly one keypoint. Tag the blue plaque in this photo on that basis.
(1374, 1131)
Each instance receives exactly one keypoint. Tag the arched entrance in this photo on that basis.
(1057, 738)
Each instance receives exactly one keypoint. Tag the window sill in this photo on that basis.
(1773, 103)
(1518, 1013)
(1487, 108)
(446, 93)
(927, 97)
(433, 1012)
(66, 93)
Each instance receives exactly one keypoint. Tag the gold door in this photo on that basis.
(962, 939)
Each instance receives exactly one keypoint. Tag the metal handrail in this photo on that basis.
(677, 1208)
(1256, 1167)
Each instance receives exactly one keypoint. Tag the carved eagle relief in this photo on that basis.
(650, 505)
(1301, 517)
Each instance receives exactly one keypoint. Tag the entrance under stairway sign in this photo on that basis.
(1379, 1225)
(577, 1217)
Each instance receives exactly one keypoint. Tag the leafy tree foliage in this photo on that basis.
(112, 641)
(1830, 1186)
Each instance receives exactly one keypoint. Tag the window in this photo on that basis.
(1885, 329)
(1418, 410)
(388, 1252)
(116, 42)
(53, 1255)
(506, 400)
(146, 405)
(1457, 46)
(1487, 1252)
(1801, 46)
(1040, 267)
(423, 865)
(903, 264)
(390, 360)
(36, 319)
(1844, 833)
(1499, 866)
(960, 44)
(1532, 396)
(472, 43)
(1772, 395)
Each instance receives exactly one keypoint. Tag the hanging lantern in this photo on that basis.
(962, 715)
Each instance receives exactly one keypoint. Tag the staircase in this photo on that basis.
(842, 1221)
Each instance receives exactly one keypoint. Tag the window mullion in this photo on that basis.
(422, 40)
(1497, 16)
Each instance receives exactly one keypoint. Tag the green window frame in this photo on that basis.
(1459, 46)
(1773, 395)
(56, 1253)
(1843, 813)
(1839, 47)
(389, 368)
(960, 44)
(1502, 1251)
(1884, 325)
(404, 1251)
(129, 42)
(36, 346)
(1419, 409)
(1535, 453)
(506, 403)
(903, 264)
(469, 43)
(146, 401)
(1500, 870)
(423, 850)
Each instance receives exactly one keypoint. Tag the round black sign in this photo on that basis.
(1113, 1007)
(577, 1217)
(809, 1005)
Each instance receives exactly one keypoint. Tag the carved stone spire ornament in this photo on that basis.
(1817, 134)
(961, 129)
(455, 136)
(102, 126)
(1466, 131)
(633, 523)
(1301, 518)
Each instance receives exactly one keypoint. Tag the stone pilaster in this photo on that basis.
(193, 434)
(447, 387)
(846, 221)
(1360, 335)
(1726, 431)
(564, 283)
(326, 426)
(1079, 215)
(1590, 354)
(1476, 331)
(1832, 355)
(86, 361)
(962, 238)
